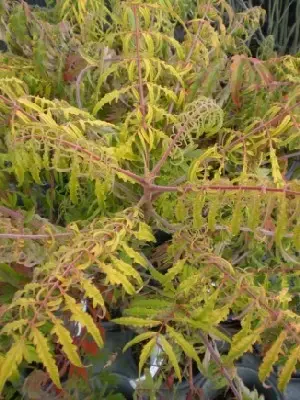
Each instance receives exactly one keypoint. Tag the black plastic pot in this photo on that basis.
(122, 367)
(292, 391)
(247, 369)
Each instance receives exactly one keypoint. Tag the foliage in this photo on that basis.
(113, 130)
(281, 29)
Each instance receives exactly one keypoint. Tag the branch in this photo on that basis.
(33, 236)
(78, 82)
(273, 122)
(160, 163)
(155, 171)
(223, 370)
(139, 179)
(188, 188)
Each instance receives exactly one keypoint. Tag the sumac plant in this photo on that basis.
(111, 130)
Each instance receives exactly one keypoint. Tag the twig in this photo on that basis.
(166, 154)
(291, 155)
(223, 370)
(33, 236)
(78, 82)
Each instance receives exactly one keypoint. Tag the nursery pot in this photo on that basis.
(292, 391)
(247, 370)
(120, 366)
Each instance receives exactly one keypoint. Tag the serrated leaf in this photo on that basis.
(288, 369)
(144, 233)
(66, 341)
(9, 365)
(145, 353)
(14, 326)
(175, 270)
(237, 214)
(134, 255)
(296, 237)
(170, 353)
(77, 314)
(238, 348)
(92, 293)
(126, 269)
(271, 357)
(282, 219)
(180, 210)
(236, 68)
(139, 338)
(277, 176)
(198, 204)
(214, 206)
(132, 321)
(45, 356)
(184, 344)
(192, 173)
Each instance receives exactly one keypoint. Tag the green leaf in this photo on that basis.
(271, 357)
(288, 369)
(12, 360)
(132, 321)
(139, 338)
(45, 356)
(66, 341)
(9, 275)
(172, 357)
(145, 353)
(185, 345)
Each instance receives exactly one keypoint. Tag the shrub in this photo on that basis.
(112, 130)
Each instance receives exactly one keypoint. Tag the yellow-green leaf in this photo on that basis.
(92, 292)
(45, 356)
(175, 270)
(296, 237)
(145, 353)
(126, 269)
(198, 204)
(12, 360)
(139, 338)
(66, 341)
(134, 255)
(172, 357)
(184, 344)
(271, 357)
(83, 318)
(144, 233)
(244, 344)
(288, 369)
(237, 215)
(140, 322)
(277, 176)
